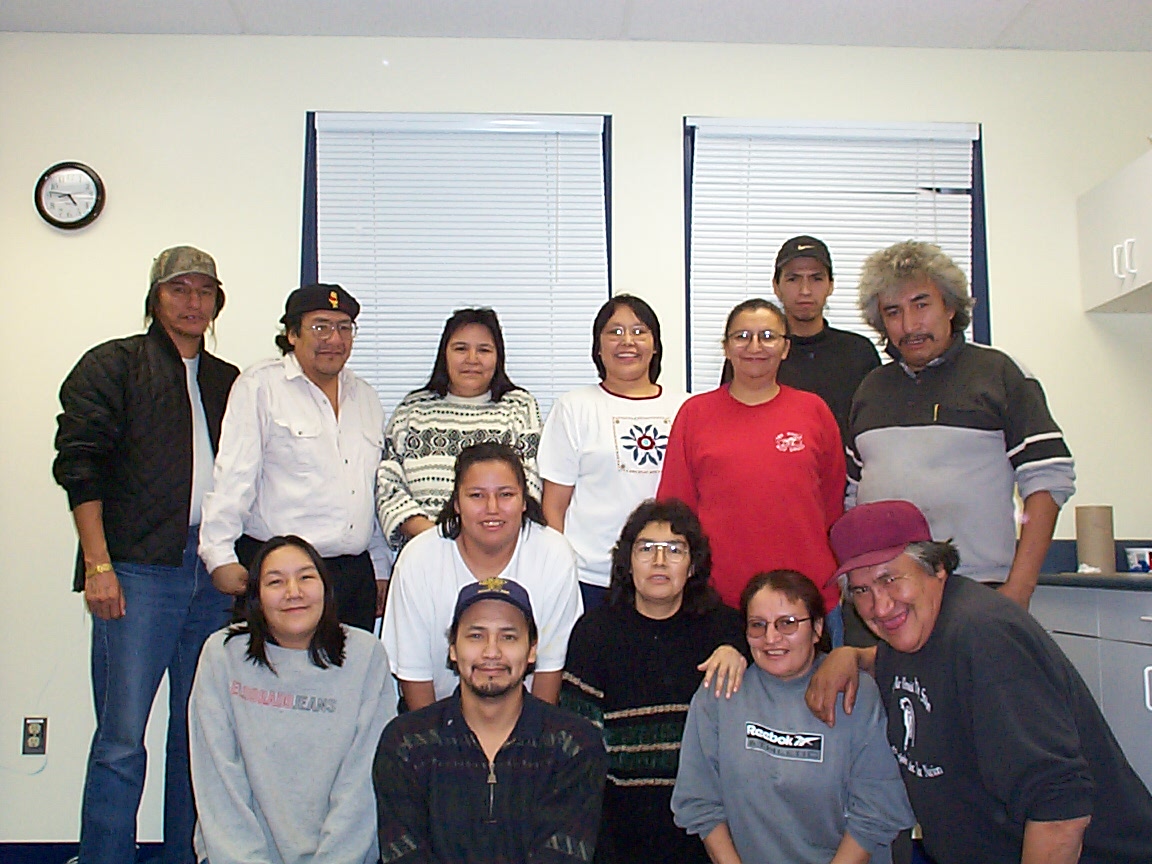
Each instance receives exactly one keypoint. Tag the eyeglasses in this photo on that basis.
(889, 583)
(617, 333)
(674, 551)
(743, 338)
(324, 330)
(785, 625)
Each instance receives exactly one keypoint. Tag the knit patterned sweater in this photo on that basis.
(425, 435)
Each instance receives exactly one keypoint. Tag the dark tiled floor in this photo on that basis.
(59, 853)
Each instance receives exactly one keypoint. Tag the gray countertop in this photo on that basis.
(1121, 581)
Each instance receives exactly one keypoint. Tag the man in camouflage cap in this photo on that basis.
(135, 448)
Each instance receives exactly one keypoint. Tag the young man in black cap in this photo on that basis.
(301, 442)
(823, 360)
(135, 445)
(490, 773)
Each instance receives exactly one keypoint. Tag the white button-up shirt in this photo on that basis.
(288, 465)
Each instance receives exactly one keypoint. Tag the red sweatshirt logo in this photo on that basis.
(790, 442)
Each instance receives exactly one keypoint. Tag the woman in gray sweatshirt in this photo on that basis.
(284, 717)
(760, 778)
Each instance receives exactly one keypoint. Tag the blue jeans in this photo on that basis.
(834, 624)
(170, 611)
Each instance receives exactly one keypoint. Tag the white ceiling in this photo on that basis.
(1095, 25)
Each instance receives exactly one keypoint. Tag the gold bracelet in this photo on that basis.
(97, 569)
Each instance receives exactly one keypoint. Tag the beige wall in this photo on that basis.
(200, 140)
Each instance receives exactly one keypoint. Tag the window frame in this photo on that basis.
(834, 130)
(572, 372)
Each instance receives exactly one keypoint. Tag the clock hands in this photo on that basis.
(71, 196)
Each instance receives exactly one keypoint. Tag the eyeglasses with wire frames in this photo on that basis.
(743, 338)
(325, 329)
(617, 333)
(675, 551)
(785, 625)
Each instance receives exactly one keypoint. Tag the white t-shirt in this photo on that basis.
(202, 455)
(611, 449)
(430, 573)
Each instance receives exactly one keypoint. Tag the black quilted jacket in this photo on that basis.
(125, 438)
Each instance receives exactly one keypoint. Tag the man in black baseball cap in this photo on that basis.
(823, 360)
(490, 773)
(314, 298)
(301, 442)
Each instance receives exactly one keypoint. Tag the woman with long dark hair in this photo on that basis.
(285, 714)
(468, 399)
(633, 665)
(603, 444)
(490, 526)
(761, 464)
(760, 778)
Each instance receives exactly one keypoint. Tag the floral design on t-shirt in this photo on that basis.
(642, 444)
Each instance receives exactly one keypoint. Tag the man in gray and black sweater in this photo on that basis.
(954, 427)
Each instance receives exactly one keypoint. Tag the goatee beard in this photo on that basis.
(492, 689)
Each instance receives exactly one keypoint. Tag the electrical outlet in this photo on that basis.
(35, 736)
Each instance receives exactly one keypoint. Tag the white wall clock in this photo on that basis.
(69, 195)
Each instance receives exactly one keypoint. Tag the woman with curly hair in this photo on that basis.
(633, 665)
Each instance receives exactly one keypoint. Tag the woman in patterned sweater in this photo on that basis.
(468, 399)
(633, 665)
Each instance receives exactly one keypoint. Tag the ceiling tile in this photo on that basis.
(206, 17)
(1124, 25)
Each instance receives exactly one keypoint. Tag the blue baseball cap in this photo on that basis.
(493, 588)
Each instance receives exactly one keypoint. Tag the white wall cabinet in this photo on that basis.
(1125, 685)
(1107, 634)
(1115, 230)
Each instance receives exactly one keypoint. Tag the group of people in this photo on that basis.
(626, 559)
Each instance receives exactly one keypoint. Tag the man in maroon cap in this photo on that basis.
(1004, 753)
(301, 441)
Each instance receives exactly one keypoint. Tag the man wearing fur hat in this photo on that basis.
(299, 449)
(135, 445)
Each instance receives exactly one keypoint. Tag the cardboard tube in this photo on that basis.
(1095, 545)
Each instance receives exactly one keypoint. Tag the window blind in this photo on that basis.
(858, 187)
(419, 215)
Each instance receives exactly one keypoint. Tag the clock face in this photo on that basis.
(69, 195)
